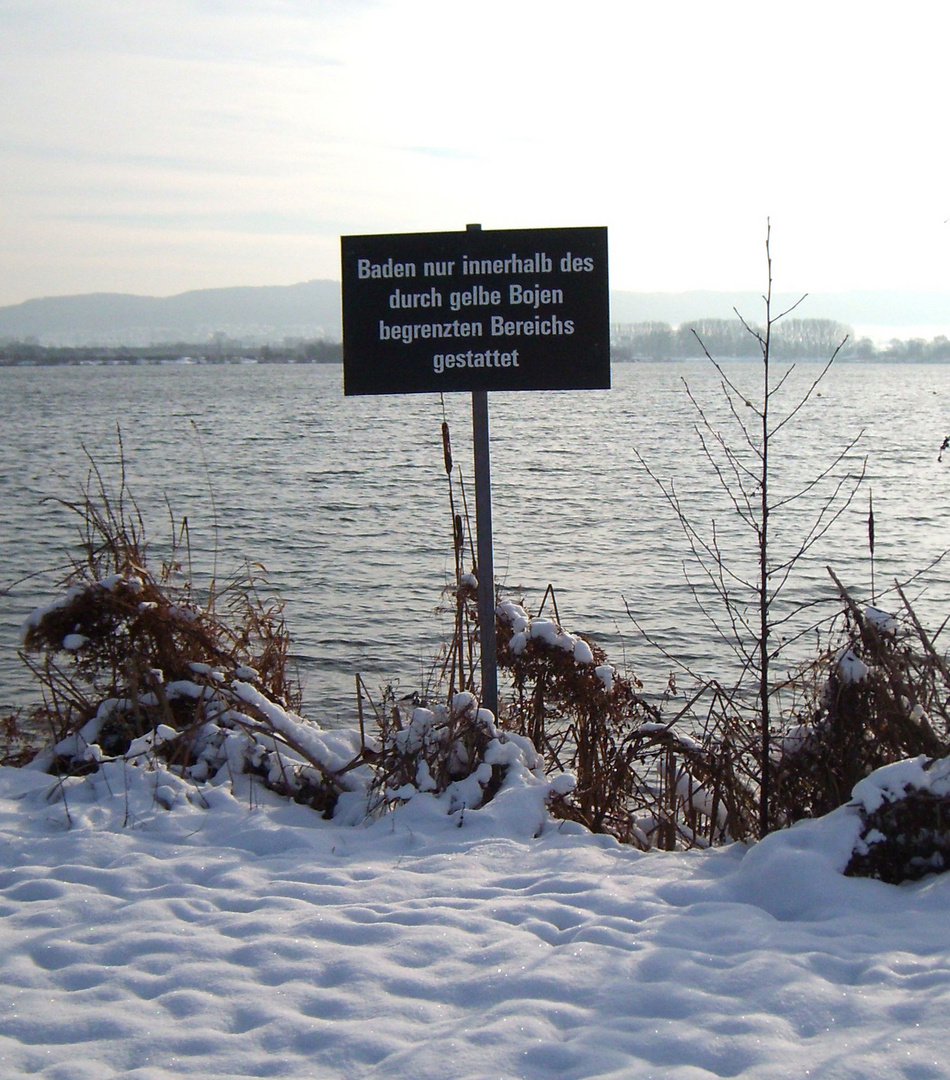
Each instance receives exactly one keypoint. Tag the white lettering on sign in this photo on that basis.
(502, 327)
(534, 297)
(575, 264)
(400, 299)
(477, 297)
(388, 269)
(414, 331)
(439, 268)
(442, 362)
(538, 263)
(518, 309)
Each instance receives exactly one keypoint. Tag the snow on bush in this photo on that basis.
(905, 815)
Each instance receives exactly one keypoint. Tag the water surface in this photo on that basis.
(345, 500)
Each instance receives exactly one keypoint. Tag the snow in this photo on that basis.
(892, 781)
(883, 620)
(582, 652)
(515, 615)
(851, 668)
(518, 642)
(40, 613)
(547, 631)
(605, 673)
(154, 928)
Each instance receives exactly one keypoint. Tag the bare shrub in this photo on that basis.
(17, 744)
(880, 695)
(140, 669)
(137, 666)
(741, 588)
(120, 630)
(445, 748)
(637, 775)
(907, 837)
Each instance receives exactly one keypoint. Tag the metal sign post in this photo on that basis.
(485, 571)
(486, 559)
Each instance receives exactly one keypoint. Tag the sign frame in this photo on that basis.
(473, 310)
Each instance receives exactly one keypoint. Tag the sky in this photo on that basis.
(155, 148)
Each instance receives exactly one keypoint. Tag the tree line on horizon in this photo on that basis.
(220, 350)
(792, 339)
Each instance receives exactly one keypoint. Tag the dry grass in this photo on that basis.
(120, 623)
(418, 748)
(687, 772)
(140, 667)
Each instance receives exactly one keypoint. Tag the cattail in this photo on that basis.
(871, 522)
(459, 535)
(446, 448)
(871, 538)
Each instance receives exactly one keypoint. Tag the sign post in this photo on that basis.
(485, 574)
(514, 309)
(485, 571)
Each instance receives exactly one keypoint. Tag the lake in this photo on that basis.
(345, 500)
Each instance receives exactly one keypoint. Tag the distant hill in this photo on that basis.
(254, 314)
(311, 309)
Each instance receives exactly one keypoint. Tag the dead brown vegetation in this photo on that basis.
(638, 776)
(881, 695)
(134, 653)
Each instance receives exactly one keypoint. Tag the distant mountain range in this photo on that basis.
(311, 309)
(254, 314)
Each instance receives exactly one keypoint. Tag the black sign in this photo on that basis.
(506, 309)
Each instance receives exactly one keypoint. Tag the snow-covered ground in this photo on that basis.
(147, 935)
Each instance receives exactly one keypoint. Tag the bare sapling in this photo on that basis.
(739, 587)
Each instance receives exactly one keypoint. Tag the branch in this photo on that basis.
(755, 333)
(725, 378)
(811, 389)
(820, 526)
(822, 475)
(788, 311)
(938, 661)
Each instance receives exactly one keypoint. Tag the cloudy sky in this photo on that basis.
(155, 146)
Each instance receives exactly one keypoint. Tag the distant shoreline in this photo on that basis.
(241, 361)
